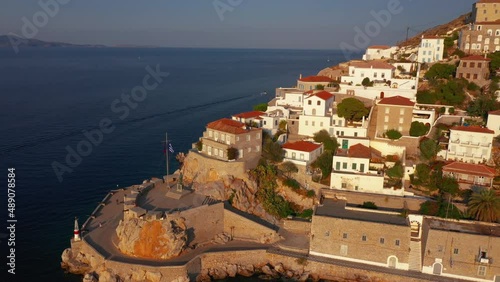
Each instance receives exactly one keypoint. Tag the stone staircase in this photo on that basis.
(415, 259)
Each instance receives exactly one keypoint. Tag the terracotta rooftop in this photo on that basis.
(475, 58)
(373, 64)
(473, 128)
(359, 151)
(475, 169)
(496, 113)
(316, 78)
(252, 114)
(382, 47)
(228, 126)
(431, 37)
(488, 1)
(325, 95)
(303, 146)
(398, 101)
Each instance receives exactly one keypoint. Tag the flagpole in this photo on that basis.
(166, 151)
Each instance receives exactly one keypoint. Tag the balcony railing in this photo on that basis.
(485, 144)
(455, 141)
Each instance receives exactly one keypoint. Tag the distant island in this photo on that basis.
(8, 40)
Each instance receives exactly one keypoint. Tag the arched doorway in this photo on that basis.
(392, 262)
(437, 268)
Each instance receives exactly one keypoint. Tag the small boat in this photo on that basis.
(263, 93)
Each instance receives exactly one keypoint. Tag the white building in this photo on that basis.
(373, 70)
(310, 82)
(494, 121)
(377, 52)
(249, 117)
(470, 144)
(351, 171)
(431, 49)
(317, 113)
(302, 152)
(292, 98)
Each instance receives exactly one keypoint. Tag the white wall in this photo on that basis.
(294, 99)
(469, 146)
(374, 92)
(350, 161)
(308, 125)
(430, 50)
(300, 157)
(387, 149)
(358, 182)
(494, 123)
(353, 141)
(320, 110)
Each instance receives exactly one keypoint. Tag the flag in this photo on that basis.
(170, 148)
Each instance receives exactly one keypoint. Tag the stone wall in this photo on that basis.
(240, 227)
(382, 201)
(303, 226)
(204, 169)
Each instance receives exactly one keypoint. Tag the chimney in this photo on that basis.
(300, 76)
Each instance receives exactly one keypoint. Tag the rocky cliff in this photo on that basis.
(157, 239)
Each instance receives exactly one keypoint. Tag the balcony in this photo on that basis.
(456, 141)
(485, 144)
(484, 260)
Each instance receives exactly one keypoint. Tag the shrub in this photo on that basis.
(292, 183)
(199, 145)
(324, 162)
(319, 87)
(393, 134)
(311, 194)
(451, 111)
(442, 110)
(289, 168)
(306, 213)
(397, 171)
(418, 129)
(440, 71)
(260, 107)
(368, 205)
(329, 143)
(426, 97)
(232, 153)
(472, 86)
(366, 82)
(429, 149)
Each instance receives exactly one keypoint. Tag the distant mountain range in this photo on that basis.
(6, 41)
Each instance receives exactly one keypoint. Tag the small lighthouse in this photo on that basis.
(76, 231)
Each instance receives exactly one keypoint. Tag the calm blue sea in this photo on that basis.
(49, 96)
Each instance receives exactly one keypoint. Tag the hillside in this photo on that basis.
(443, 29)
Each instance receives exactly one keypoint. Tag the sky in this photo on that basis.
(285, 24)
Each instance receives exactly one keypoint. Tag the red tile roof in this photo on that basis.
(372, 64)
(252, 114)
(475, 58)
(473, 128)
(488, 1)
(398, 101)
(359, 151)
(316, 78)
(496, 113)
(325, 95)
(303, 146)
(383, 47)
(466, 168)
(228, 126)
(431, 37)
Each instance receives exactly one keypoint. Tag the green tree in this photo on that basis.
(495, 61)
(283, 125)
(324, 162)
(260, 107)
(393, 134)
(397, 171)
(366, 82)
(426, 97)
(485, 206)
(418, 129)
(319, 87)
(449, 185)
(423, 172)
(482, 105)
(272, 151)
(352, 109)
(440, 71)
(428, 149)
(288, 167)
(329, 143)
(199, 145)
(451, 92)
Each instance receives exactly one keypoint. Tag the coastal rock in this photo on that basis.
(279, 268)
(246, 271)
(304, 277)
(203, 277)
(181, 279)
(266, 269)
(217, 274)
(232, 270)
(90, 277)
(75, 262)
(107, 276)
(153, 276)
(222, 238)
(156, 239)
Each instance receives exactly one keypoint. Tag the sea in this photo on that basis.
(51, 98)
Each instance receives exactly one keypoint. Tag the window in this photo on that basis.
(464, 64)
(382, 241)
(302, 156)
(475, 76)
(344, 165)
(321, 124)
(375, 74)
(387, 110)
(363, 238)
(400, 120)
(344, 185)
(343, 250)
(397, 243)
(468, 75)
(383, 75)
(425, 53)
(401, 111)
(481, 270)
(257, 136)
(337, 166)
(318, 103)
(479, 65)
(249, 149)
(362, 167)
(293, 155)
(307, 122)
(223, 137)
(490, 32)
(257, 148)
(386, 119)
(309, 102)
(210, 133)
(354, 166)
(313, 123)
(248, 137)
(479, 38)
(455, 251)
(355, 134)
(386, 127)
(362, 74)
(344, 236)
